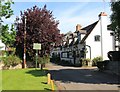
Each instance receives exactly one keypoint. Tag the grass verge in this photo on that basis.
(25, 79)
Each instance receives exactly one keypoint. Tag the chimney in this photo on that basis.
(78, 27)
(102, 14)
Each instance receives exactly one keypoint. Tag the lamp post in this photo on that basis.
(24, 56)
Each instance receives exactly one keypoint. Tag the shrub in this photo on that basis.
(43, 60)
(2, 53)
(11, 60)
(85, 61)
(95, 60)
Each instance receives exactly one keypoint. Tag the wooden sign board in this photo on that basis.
(37, 46)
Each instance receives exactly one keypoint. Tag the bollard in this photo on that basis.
(52, 84)
(49, 78)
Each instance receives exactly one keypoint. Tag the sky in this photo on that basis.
(69, 13)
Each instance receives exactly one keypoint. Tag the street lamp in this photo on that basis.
(24, 56)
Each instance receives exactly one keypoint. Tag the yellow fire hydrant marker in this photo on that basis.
(52, 84)
(49, 78)
(50, 81)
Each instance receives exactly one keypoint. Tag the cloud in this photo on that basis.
(85, 16)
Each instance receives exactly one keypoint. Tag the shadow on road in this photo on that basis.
(65, 64)
(90, 76)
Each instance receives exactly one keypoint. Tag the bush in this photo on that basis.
(95, 60)
(11, 61)
(85, 61)
(43, 60)
(2, 53)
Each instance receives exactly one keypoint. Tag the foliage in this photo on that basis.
(43, 60)
(40, 27)
(96, 59)
(85, 61)
(5, 9)
(11, 60)
(8, 37)
(115, 19)
(2, 53)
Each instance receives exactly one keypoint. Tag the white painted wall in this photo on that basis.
(95, 46)
(96, 49)
(106, 38)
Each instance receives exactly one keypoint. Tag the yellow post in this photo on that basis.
(49, 78)
(52, 84)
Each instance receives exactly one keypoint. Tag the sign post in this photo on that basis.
(36, 46)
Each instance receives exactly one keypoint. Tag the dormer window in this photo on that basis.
(97, 38)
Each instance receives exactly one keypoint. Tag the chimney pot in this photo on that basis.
(78, 27)
(102, 14)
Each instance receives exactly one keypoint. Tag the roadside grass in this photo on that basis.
(25, 79)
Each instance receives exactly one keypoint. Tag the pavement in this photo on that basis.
(68, 78)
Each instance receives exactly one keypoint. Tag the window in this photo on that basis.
(97, 37)
(64, 54)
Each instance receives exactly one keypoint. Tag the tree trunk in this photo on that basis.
(41, 66)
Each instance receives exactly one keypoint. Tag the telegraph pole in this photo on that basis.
(24, 57)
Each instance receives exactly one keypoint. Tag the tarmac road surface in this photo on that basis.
(83, 78)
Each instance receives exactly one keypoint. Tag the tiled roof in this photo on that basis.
(88, 29)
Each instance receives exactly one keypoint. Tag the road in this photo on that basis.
(83, 78)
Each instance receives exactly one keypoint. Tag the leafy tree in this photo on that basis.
(7, 36)
(5, 9)
(115, 19)
(40, 27)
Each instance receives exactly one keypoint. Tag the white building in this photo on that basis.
(94, 37)
(98, 38)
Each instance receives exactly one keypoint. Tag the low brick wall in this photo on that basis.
(114, 67)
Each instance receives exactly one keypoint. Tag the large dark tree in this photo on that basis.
(115, 19)
(41, 27)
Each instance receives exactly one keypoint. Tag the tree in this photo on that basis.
(7, 36)
(115, 19)
(5, 9)
(40, 27)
